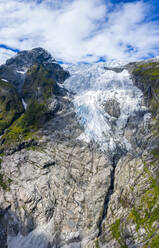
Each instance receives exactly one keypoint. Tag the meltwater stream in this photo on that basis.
(94, 86)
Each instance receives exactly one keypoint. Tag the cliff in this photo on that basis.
(79, 154)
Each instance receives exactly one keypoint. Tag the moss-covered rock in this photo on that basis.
(38, 85)
(27, 124)
(15, 68)
(11, 106)
(39, 90)
(116, 229)
(145, 212)
(146, 77)
(136, 212)
(148, 71)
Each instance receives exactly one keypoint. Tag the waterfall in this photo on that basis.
(24, 104)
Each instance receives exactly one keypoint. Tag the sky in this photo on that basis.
(76, 31)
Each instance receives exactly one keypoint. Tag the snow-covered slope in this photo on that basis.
(94, 85)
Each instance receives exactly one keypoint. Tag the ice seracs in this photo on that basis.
(93, 85)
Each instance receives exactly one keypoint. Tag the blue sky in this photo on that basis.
(81, 31)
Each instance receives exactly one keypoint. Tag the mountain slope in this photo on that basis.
(10, 105)
(79, 160)
(133, 212)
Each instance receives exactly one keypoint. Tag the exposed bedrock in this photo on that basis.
(79, 170)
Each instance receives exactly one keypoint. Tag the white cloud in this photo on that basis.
(5, 54)
(79, 30)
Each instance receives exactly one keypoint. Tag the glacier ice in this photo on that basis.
(93, 85)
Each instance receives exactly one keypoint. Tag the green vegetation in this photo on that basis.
(38, 88)
(32, 117)
(10, 105)
(148, 74)
(97, 244)
(38, 85)
(145, 213)
(27, 124)
(153, 243)
(4, 184)
(148, 71)
(117, 230)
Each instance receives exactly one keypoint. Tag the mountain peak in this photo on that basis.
(26, 58)
(16, 67)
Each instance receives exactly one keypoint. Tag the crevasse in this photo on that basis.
(92, 86)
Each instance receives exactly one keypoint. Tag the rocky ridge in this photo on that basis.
(59, 189)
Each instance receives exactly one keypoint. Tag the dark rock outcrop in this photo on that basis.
(115, 69)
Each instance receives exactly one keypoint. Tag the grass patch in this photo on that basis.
(97, 244)
(25, 127)
(10, 105)
(4, 183)
(146, 214)
(148, 71)
(116, 229)
(38, 85)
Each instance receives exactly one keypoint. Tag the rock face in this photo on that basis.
(112, 107)
(78, 170)
(132, 216)
(15, 68)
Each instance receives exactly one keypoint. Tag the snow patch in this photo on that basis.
(21, 72)
(147, 117)
(24, 104)
(4, 80)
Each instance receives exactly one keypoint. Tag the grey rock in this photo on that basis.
(66, 193)
(115, 69)
(112, 107)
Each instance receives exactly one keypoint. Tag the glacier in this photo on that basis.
(93, 85)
